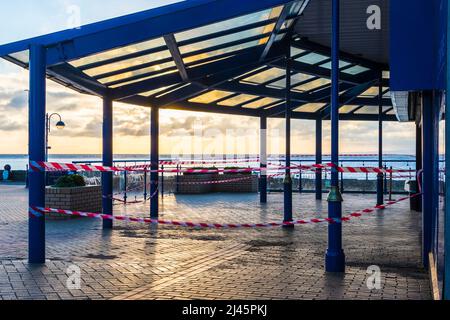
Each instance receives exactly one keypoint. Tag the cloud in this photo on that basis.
(10, 126)
(19, 100)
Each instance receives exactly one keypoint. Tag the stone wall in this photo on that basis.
(184, 186)
(86, 199)
(249, 185)
(244, 186)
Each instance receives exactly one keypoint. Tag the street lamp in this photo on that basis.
(59, 125)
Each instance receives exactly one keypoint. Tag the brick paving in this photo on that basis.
(160, 262)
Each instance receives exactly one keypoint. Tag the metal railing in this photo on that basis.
(135, 183)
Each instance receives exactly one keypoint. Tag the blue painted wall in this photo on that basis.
(417, 44)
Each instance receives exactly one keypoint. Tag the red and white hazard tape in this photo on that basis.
(40, 212)
(53, 166)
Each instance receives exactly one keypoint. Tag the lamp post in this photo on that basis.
(59, 125)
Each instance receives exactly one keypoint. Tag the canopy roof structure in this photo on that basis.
(213, 56)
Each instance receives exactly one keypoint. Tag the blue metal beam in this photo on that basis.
(102, 36)
(287, 10)
(76, 78)
(446, 289)
(430, 177)
(263, 160)
(287, 183)
(348, 96)
(194, 74)
(380, 176)
(319, 159)
(107, 177)
(154, 159)
(335, 258)
(36, 133)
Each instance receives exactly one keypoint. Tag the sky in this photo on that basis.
(181, 132)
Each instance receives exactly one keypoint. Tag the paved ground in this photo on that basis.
(143, 262)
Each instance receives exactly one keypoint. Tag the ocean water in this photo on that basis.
(19, 162)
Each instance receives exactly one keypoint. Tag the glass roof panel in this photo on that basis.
(312, 85)
(22, 56)
(141, 79)
(347, 108)
(295, 78)
(214, 53)
(355, 70)
(240, 99)
(310, 107)
(228, 38)
(312, 58)
(371, 110)
(342, 64)
(138, 72)
(211, 96)
(275, 105)
(153, 92)
(260, 103)
(134, 62)
(296, 51)
(372, 92)
(229, 24)
(265, 76)
(152, 44)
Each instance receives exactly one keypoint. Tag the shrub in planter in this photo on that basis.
(237, 168)
(70, 181)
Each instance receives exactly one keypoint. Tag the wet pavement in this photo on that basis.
(136, 261)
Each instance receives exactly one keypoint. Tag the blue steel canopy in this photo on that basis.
(222, 56)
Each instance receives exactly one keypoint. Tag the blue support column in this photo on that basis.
(446, 289)
(263, 160)
(380, 176)
(430, 159)
(319, 158)
(154, 158)
(107, 177)
(335, 258)
(36, 133)
(287, 178)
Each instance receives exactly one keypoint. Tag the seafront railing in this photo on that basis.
(133, 184)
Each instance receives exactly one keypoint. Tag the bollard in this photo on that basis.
(162, 181)
(390, 185)
(125, 175)
(145, 184)
(300, 181)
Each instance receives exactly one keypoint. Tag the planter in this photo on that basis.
(248, 184)
(185, 187)
(86, 199)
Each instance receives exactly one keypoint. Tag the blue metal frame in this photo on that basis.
(446, 289)
(287, 179)
(380, 177)
(319, 159)
(335, 258)
(154, 158)
(263, 160)
(430, 169)
(107, 177)
(36, 238)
